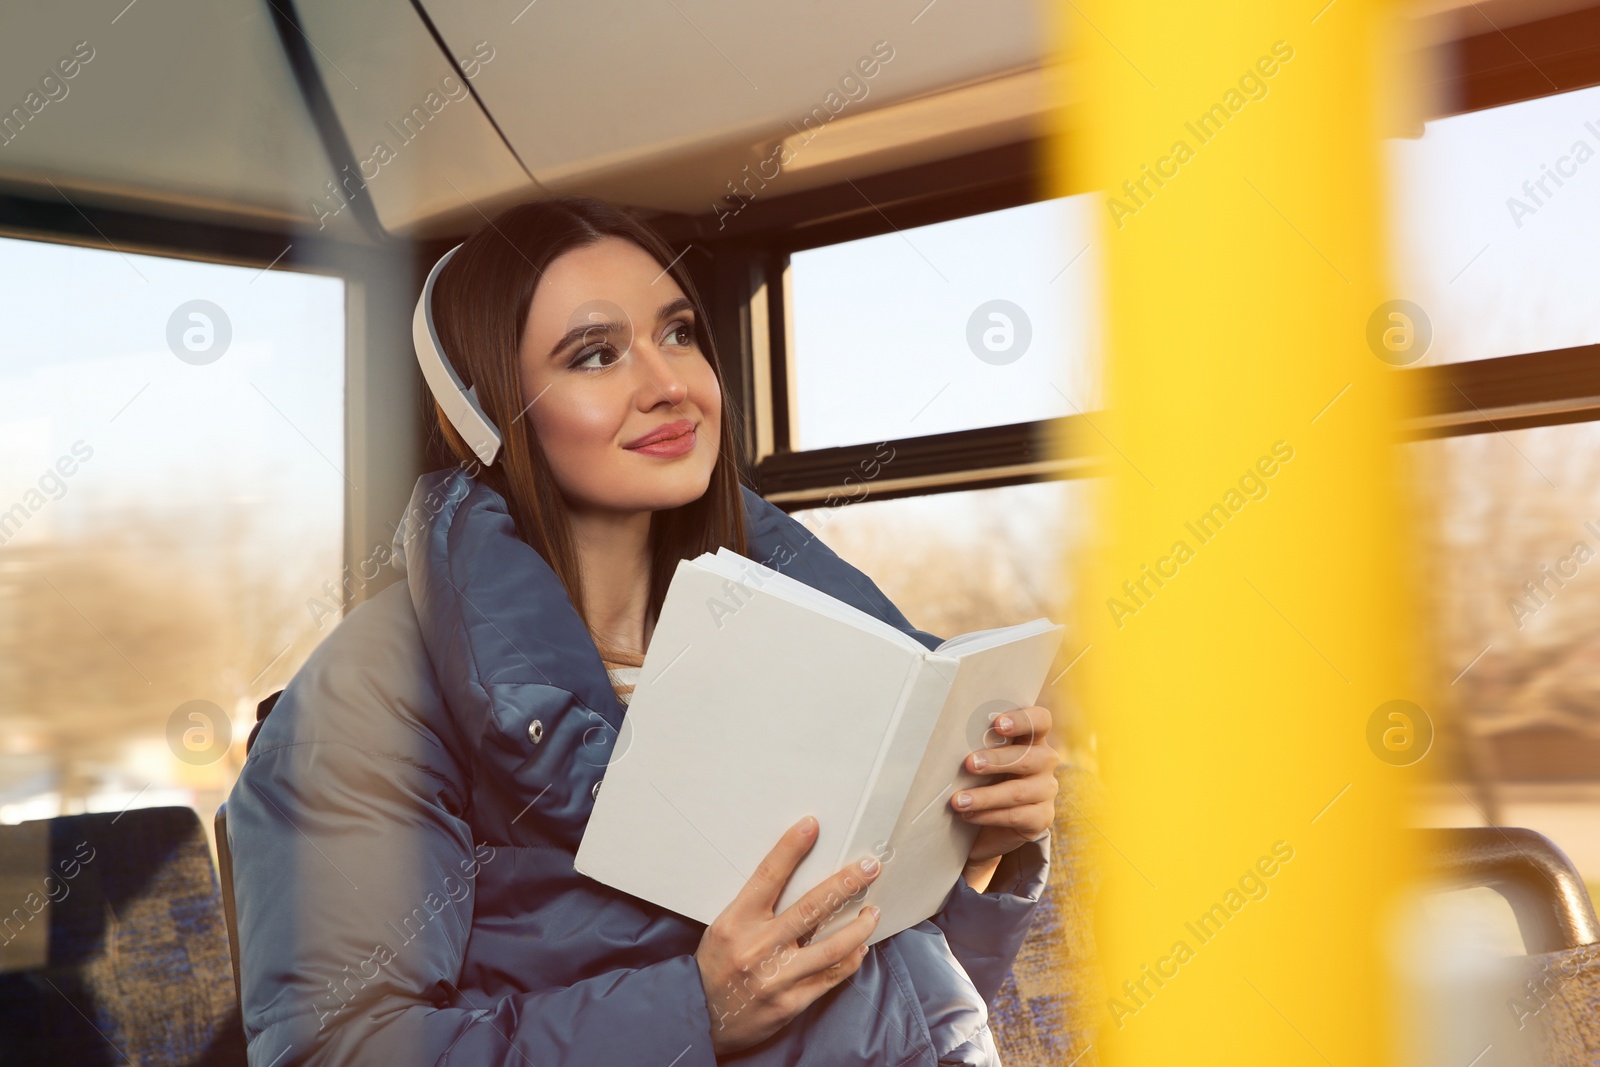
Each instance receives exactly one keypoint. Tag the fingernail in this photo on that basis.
(869, 865)
(1003, 723)
(979, 762)
(875, 912)
(807, 825)
(963, 800)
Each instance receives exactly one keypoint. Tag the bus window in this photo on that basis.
(171, 517)
(1495, 218)
(978, 321)
(968, 560)
(1514, 583)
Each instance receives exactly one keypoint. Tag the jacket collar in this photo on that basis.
(492, 612)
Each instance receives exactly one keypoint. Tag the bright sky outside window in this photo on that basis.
(1496, 217)
(171, 500)
(979, 321)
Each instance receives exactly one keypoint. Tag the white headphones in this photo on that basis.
(459, 403)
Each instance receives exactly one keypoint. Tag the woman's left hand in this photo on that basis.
(1021, 805)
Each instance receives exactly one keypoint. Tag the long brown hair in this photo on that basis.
(480, 306)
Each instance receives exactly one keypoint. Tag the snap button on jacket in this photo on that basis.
(404, 828)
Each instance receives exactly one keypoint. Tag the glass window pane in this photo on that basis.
(171, 502)
(1495, 221)
(980, 321)
(1513, 570)
(971, 560)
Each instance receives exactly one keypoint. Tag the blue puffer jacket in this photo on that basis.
(403, 835)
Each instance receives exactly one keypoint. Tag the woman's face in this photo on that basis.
(623, 401)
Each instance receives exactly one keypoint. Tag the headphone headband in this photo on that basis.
(460, 404)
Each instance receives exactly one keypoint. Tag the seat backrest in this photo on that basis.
(1542, 1008)
(1046, 1013)
(263, 709)
(1536, 878)
(113, 948)
(225, 881)
(225, 853)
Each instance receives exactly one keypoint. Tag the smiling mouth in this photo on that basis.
(673, 447)
(670, 436)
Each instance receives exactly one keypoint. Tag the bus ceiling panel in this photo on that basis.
(185, 109)
(420, 145)
(671, 107)
(949, 143)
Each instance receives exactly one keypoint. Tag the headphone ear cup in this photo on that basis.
(458, 402)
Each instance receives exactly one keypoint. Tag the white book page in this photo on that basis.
(979, 639)
(749, 573)
(748, 716)
(930, 842)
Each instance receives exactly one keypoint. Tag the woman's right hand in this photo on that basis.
(757, 976)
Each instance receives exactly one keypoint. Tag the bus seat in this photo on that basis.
(1045, 1013)
(263, 709)
(225, 854)
(114, 950)
(225, 883)
(1553, 994)
(1546, 894)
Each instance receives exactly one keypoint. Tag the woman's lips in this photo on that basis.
(673, 439)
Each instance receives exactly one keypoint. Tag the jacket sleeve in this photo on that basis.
(354, 886)
(986, 930)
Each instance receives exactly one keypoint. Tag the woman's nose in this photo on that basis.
(661, 379)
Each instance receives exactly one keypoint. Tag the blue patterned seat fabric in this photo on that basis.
(130, 955)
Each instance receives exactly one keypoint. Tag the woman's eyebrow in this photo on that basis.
(581, 331)
(671, 307)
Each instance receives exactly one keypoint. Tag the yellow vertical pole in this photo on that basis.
(1246, 615)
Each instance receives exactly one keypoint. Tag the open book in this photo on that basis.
(762, 700)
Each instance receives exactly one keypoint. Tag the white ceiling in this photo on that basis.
(685, 93)
(379, 62)
(186, 107)
(190, 107)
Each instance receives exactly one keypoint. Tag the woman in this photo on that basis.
(404, 827)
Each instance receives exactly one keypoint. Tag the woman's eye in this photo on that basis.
(683, 329)
(586, 357)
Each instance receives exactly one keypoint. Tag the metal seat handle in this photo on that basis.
(1548, 898)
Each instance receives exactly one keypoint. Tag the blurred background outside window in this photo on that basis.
(1500, 256)
(171, 505)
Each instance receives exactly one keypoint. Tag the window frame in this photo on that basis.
(1497, 66)
(743, 263)
(1488, 69)
(743, 257)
